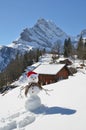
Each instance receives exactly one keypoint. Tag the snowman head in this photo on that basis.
(32, 77)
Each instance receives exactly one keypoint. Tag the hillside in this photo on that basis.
(62, 108)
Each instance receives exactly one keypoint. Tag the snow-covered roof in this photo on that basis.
(50, 69)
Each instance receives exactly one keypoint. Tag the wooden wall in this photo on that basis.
(47, 79)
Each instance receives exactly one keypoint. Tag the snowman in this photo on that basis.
(33, 88)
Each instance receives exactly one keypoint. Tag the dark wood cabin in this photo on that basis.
(52, 73)
(66, 61)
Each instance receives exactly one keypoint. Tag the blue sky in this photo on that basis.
(15, 15)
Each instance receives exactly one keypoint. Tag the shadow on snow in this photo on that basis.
(54, 110)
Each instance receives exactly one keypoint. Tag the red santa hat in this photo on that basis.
(30, 73)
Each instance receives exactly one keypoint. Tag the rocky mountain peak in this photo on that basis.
(44, 34)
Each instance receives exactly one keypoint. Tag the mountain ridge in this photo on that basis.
(44, 34)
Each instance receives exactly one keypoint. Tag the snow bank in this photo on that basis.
(63, 108)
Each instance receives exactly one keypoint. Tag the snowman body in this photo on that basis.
(33, 102)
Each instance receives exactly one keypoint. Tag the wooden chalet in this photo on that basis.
(51, 73)
(66, 61)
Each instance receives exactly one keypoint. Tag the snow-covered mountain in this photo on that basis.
(83, 34)
(6, 55)
(44, 34)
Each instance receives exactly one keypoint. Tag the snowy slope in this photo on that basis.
(62, 108)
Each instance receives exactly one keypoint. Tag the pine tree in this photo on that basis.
(85, 50)
(17, 66)
(80, 48)
(68, 48)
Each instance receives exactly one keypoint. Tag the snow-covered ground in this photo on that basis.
(63, 108)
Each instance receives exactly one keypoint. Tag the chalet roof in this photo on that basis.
(51, 69)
